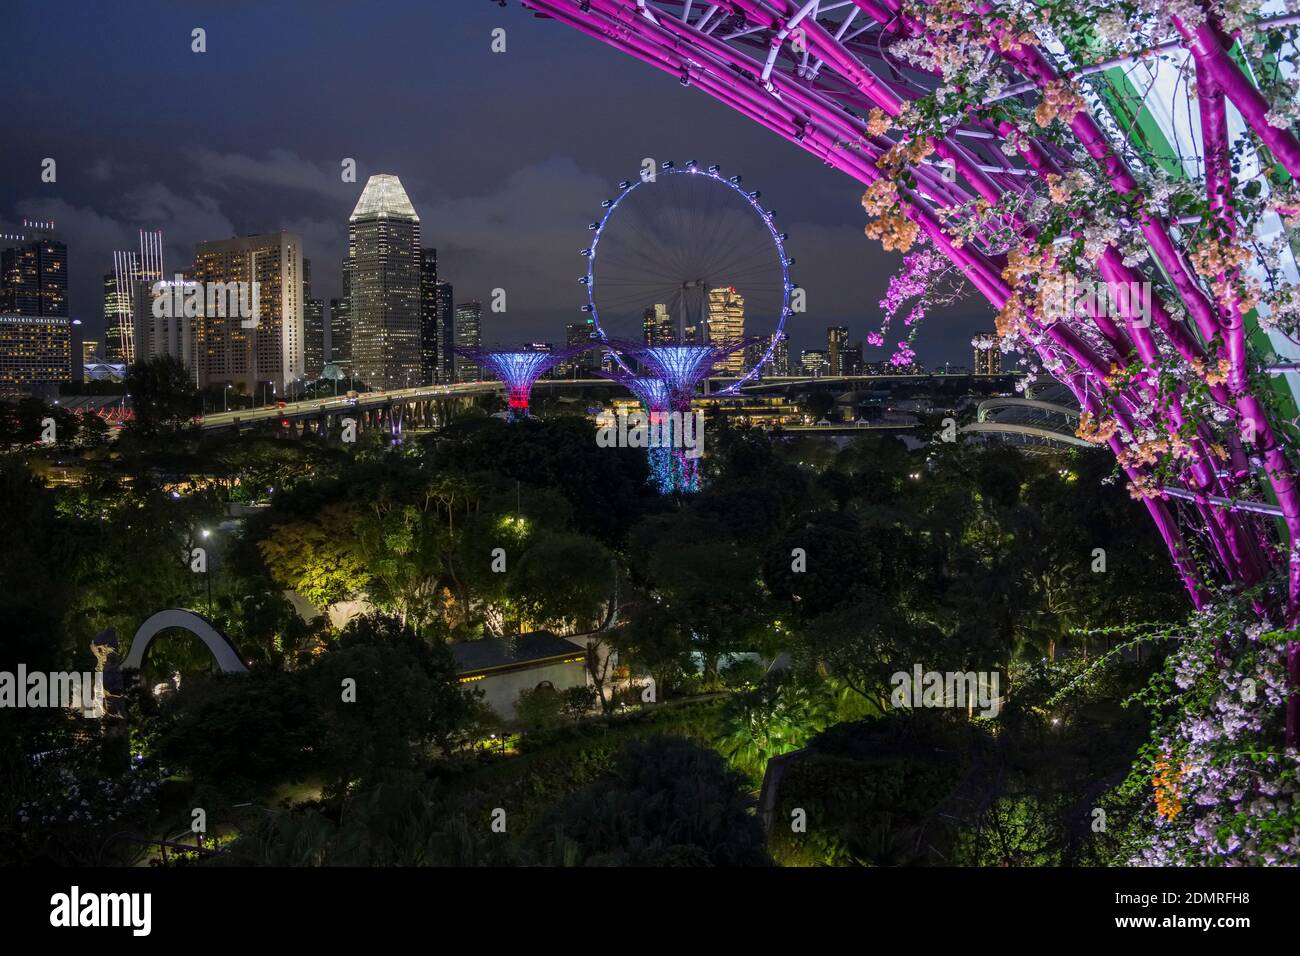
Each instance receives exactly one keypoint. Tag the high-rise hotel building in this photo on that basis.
(231, 348)
(384, 274)
(35, 351)
(727, 324)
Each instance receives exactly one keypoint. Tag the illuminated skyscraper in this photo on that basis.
(384, 271)
(313, 321)
(34, 278)
(446, 332)
(813, 362)
(988, 356)
(469, 335)
(341, 321)
(837, 339)
(269, 346)
(657, 326)
(851, 359)
(131, 270)
(116, 304)
(313, 327)
(428, 316)
(781, 356)
(585, 362)
(35, 352)
(726, 323)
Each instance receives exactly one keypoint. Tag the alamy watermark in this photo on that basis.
(1065, 297)
(969, 689)
(178, 298)
(683, 430)
(71, 690)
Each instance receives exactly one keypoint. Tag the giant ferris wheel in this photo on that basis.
(683, 255)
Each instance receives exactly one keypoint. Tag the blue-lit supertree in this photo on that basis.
(518, 369)
(655, 398)
(678, 369)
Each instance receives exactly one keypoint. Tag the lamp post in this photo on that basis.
(207, 571)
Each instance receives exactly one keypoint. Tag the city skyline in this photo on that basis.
(511, 218)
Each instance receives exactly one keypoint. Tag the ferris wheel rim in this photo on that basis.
(765, 216)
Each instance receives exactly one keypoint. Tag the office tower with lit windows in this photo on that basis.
(313, 327)
(813, 362)
(469, 335)
(726, 323)
(851, 359)
(116, 305)
(34, 278)
(837, 339)
(587, 362)
(265, 349)
(781, 356)
(384, 273)
(313, 323)
(428, 316)
(657, 326)
(445, 332)
(340, 351)
(35, 353)
(988, 355)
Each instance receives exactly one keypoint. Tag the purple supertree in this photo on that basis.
(518, 369)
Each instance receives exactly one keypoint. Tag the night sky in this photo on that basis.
(505, 156)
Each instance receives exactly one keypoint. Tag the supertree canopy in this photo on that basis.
(652, 392)
(518, 370)
(680, 367)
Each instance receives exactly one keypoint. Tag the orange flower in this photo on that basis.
(1169, 798)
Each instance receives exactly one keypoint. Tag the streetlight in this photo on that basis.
(206, 533)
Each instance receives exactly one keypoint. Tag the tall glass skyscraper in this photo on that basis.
(384, 273)
(117, 303)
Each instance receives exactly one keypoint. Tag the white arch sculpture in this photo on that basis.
(222, 649)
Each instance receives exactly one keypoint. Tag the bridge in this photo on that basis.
(424, 406)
